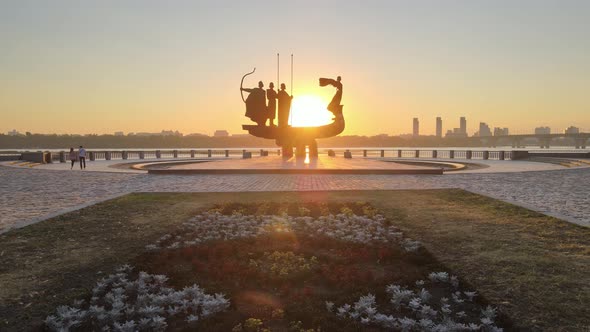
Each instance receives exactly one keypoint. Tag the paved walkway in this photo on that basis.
(494, 166)
(278, 165)
(31, 194)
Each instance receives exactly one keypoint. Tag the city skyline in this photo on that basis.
(100, 68)
(439, 131)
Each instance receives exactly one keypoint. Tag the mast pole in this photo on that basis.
(278, 83)
(290, 112)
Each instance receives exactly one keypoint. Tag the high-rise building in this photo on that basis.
(416, 131)
(438, 127)
(501, 131)
(572, 130)
(463, 125)
(484, 129)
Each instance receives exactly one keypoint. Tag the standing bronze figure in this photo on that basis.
(271, 95)
(284, 106)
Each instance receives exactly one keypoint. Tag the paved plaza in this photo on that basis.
(279, 165)
(31, 194)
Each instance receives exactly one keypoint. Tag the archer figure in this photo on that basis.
(256, 104)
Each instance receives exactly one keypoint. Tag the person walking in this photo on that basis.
(73, 157)
(82, 157)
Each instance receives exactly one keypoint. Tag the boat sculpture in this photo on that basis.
(299, 138)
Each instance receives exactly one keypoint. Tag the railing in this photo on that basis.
(426, 153)
(92, 155)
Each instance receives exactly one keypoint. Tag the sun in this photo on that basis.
(309, 111)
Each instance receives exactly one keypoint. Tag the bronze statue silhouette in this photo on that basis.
(256, 104)
(284, 106)
(288, 137)
(334, 105)
(271, 95)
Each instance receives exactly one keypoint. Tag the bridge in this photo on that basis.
(580, 140)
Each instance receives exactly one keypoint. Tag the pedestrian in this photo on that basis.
(73, 157)
(82, 157)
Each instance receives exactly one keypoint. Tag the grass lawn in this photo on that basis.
(535, 269)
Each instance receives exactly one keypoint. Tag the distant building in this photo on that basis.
(484, 130)
(197, 135)
(14, 133)
(572, 130)
(170, 133)
(119, 133)
(456, 132)
(542, 131)
(501, 131)
(416, 130)
(438, 127)
(463, 125)
(221, 133)
(241, 135)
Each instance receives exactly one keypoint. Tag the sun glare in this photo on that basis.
(309, 111)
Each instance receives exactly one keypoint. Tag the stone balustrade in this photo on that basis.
(466, 154)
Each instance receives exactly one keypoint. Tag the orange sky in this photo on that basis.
(143, 67)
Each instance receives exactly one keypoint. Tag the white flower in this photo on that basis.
(487, 321)
(407, 323)
(470, 295)
(400, 296)
(457, 297)
(128, 326)
(426, 323)
(473, 327)
(415, 303)
(159, 323)
(192, 318)
(439, 276)
(446, 309)
(427, 312)
(329, 305)
(343, 310)
(424, 295)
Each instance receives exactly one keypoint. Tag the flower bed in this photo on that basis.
(281, 266)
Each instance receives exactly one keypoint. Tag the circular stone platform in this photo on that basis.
(278, 165)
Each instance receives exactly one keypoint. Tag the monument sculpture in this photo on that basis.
(286, 136)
